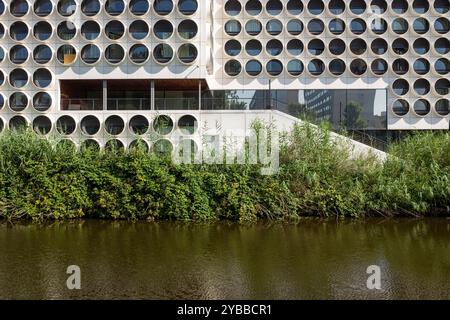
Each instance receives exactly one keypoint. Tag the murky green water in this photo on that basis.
(314, 259)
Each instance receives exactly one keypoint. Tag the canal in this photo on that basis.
(313, 259)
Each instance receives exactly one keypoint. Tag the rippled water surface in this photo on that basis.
(314, 259)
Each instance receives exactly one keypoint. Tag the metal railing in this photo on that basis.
(81, 104)
(129, 104)
(176, 103)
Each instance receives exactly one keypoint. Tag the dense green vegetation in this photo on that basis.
(41, 181)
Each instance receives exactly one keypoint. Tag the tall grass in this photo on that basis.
(317, 177)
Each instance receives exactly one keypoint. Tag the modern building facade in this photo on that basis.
(103, 71)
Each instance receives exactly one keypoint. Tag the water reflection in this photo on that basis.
(314, 259)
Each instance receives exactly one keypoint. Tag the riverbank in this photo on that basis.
(317, 178)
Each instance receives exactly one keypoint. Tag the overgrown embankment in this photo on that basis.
(39, 181)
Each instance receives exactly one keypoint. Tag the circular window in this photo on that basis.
(18, 101)
(441, 6)
(233, 48)
(2, 80)
(233, 7)
(421, 46)
(90, 125)
(18, 8)
(2, 30)
(400, 6)
(2, 104)
(66, 30)
(90, 54)
(17, 123)
(421, 87)
(358, 46)
(114, 30)
(42, 30)
(65, 125)
(336, 67)
(187, 124)
(442, 46)
(358, 6)
(139, 145)
(163, 53)
(274, 47)
(422, 107)
(316, 7)
(253, 47)
(358, 26)
(442, 25)
(163, 125)
(18, 31)
(379, 67)
(421, 25)
(42, 125)
(90, 8)
(442, 66)
(139, 53)
(253, 27)
(295, 27)
(274, 27)
(274, 67)
(315, 26)
(336, 47)
(316, 67)
(114, 145)
(400, 107)
(139, 29)
(253, 7)
(253, 68)
(42, 78)
(442, 107)
(162, 147)
(18, 54)
(400, 26)
(114, 125)
(421, 66)
(138, 125)
(187, 29)
(114, 7)
(90, 145)
(316, 47)
(336, 26)
(114, 53)
(139, 7)
(379, 46)
(378, 26)
(336, 6)
(90, 30)
(43, 8)
(400, 46)
(18, 78)
(378, 6)
(42, 101)
(358, 67)
(163, 29)
(295, 67)
(421, 6)
(66, 54)
(400, 66)
(274, 7)
(294, 7)
(400, 87)
(233, 68)
(295, 47)
(66, 8)
(442, 86)
(187, 7)
(187, 53)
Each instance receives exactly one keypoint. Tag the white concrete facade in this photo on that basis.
(415, 32)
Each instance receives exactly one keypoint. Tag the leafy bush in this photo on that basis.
(317, 177)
